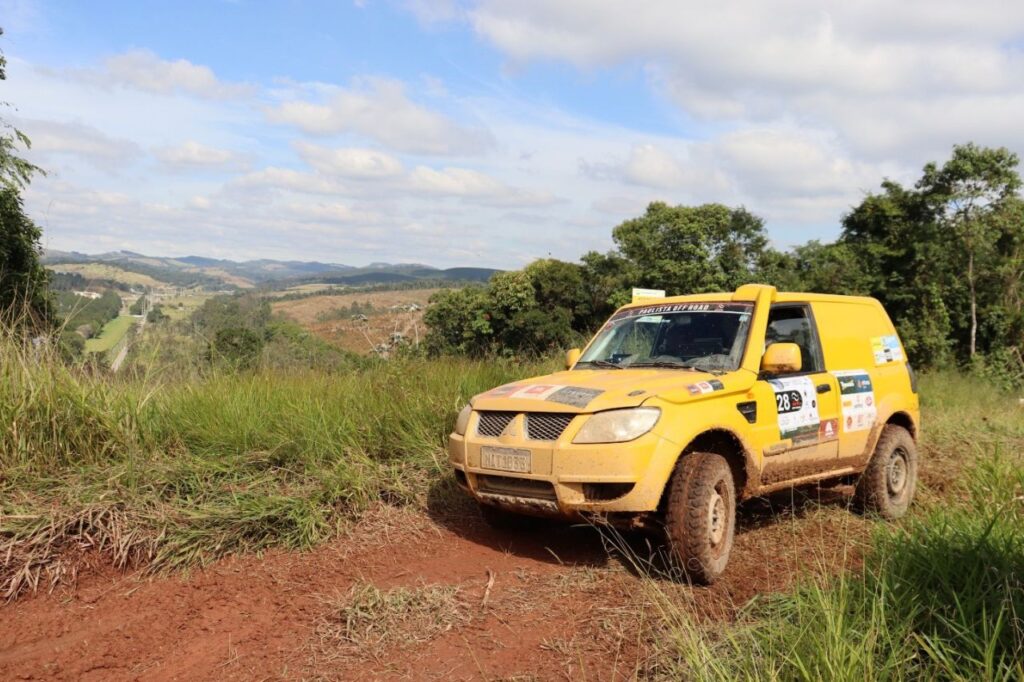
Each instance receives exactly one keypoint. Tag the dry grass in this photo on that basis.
(37, 549)
(104, 271)
(366, 621)
(307, 311)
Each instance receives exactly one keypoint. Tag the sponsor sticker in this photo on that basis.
(858, 399)
(702, 387)
(537, 391)
(829, 429)
(663, 308)
(796, 404)
(575, 396)
(886, 349)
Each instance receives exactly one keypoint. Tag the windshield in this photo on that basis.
(703, 336)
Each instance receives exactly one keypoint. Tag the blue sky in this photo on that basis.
(484, 132)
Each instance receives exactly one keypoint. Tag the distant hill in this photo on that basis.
(187, 271)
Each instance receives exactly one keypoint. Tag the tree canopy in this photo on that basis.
(24, 298)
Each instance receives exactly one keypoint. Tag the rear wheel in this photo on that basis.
(887, 486)
(499, 519)
(701, 517)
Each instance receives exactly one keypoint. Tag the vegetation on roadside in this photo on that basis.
(939, 596)
(174, 469)
(87, 316)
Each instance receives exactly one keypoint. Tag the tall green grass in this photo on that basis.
(176, 469)
(940, 596)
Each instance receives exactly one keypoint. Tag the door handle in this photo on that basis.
(824, 388)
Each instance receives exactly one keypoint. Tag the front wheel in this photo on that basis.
(701, 516)
(887, 486)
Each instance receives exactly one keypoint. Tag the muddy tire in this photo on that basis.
(887, 486)
(700, 519)
(499, 519)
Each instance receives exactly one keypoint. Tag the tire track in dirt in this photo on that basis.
(562, 606)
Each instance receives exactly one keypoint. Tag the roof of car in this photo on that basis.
(749, 292)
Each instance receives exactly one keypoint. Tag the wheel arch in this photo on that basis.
(720, 441)
(903, 419)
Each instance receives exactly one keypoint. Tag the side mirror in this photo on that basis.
(781, 358)
(572, 357)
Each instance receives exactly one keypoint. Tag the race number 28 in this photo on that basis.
(788, 401)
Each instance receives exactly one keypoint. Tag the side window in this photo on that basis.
(793, 324)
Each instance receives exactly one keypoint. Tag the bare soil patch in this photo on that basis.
(564, 602)
(388, 317)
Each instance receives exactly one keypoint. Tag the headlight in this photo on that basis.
(462, 423)
(618, 426)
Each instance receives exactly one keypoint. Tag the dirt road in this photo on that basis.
(558, 603)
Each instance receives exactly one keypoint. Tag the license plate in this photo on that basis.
(505, 459)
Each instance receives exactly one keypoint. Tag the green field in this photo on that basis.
(180, 307)
(112, 333)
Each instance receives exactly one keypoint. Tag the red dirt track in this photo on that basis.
(561, 606)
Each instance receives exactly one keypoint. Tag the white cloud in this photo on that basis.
(77, 139)
(378, 108)
(880, 76)
(433, 11)
(274, 178)
(475, 186)
(144, 70)
(195, 155)
(355, 163)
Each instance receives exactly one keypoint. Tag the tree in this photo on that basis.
(239, 346)
(24, 297)
(966, 193)
(830, 269)
(23, 290)
(458, 322)
(607, 280)
(692, 249)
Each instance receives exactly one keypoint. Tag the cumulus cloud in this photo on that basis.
(274, 178)
(863, 70)
(80, 140)
(355, 163)
(195, 155)
(476, 187)
(379, 108)
(144, 70)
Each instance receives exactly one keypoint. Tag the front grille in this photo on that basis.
(517, 487)
(493, 423)
(545, 426)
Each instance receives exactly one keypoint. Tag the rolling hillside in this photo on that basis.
(188, 271)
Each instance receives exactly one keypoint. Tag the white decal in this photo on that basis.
(858, 399)
(796, 403)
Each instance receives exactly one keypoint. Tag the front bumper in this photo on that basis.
(567, 480)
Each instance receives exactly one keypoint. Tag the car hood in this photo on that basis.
(593, 390)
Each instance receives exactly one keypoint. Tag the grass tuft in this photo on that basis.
(366, 620)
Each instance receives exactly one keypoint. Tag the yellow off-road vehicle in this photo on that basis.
(680, 407)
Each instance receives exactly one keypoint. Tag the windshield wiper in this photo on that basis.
(665, 363)
(605, 363)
